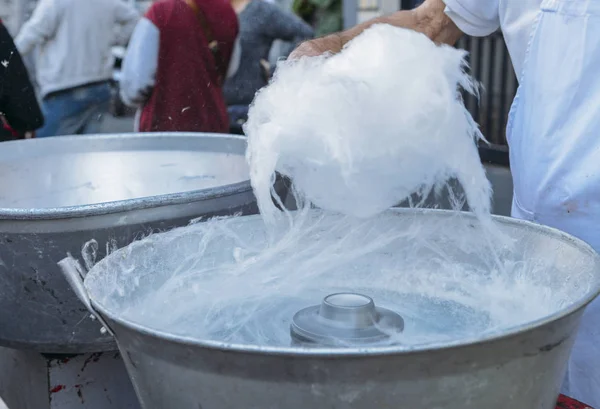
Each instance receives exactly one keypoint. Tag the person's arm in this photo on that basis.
(429, 18)
(236, 57)
(127, 17)
(40, 27)
(138, 75)
(18, 102)
(282, 25)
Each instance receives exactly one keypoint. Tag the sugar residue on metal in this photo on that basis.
(357, 133)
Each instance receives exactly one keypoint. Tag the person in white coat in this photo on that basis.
(74, 62)
(554, 124)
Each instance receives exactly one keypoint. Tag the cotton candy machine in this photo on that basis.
(420, 315)
(58, 193)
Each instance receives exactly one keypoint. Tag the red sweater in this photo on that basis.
(187, 95)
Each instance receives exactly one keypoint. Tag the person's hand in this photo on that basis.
(142, 96)
(429, 19)
(266, 69)
(332, 44)
(146, 93)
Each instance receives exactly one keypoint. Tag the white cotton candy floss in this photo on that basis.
(360, 131)
(357, 133)
(225, 280)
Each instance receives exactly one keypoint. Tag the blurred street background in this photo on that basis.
(489, 61)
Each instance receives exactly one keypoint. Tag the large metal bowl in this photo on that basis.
(520, 366)
(58, 193)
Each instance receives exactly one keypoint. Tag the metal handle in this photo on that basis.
(75, 274)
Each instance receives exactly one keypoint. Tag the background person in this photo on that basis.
(261, 23)
(175, 66)
(74, 64)
(20, 113)
(176, 63)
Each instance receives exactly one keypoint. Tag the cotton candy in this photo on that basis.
(362, 130)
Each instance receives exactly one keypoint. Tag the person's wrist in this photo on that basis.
(432, 20)
(337, 42)
(332, 43)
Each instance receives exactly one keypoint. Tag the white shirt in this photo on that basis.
(74, 39)
(554, 133)
(480, 18)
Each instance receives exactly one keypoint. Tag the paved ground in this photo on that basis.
(502, 186)
(117, 125)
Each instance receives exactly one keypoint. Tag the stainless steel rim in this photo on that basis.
(357, 352)
(130, 204)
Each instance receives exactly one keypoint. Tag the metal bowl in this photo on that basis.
(520, 366)
(58, 193)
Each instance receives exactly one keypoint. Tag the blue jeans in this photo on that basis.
(74, 112)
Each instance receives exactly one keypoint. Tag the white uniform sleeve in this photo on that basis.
(127, 17)
(236, 57)
(40, 27)
(478, 18)
(140, 64)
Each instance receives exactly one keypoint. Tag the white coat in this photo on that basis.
(553, 132)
